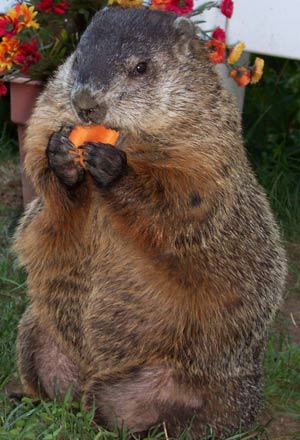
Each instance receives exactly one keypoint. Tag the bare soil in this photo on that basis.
(282, 427)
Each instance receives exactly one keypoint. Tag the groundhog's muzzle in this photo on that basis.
(86, 106)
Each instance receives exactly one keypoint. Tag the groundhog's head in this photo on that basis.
(138, 70)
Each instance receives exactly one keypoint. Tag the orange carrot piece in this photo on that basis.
(96, 133)
(93, 133)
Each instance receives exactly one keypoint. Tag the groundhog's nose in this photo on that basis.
(86, 106)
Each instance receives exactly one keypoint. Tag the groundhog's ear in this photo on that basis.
(186, 31)
(185, 28)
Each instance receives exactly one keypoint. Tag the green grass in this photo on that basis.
(67, 421)
(48, 420)
(12, 297)
(282, 365)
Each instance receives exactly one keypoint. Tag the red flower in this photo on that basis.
(3, 89)
(45, 6)
(180, 7)
(27, 55)
(8, 26)
(48, 6)
(61, 8)
(227, 8)
(241, 75)
(216, 51)
(219, 34)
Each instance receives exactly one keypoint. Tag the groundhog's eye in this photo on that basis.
(140, 68)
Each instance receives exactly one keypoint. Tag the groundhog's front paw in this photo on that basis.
(61, 153)
(104, 162)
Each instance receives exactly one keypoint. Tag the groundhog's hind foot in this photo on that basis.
(142, 399)
(45, 368)
(151, 397)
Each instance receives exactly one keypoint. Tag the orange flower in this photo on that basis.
(236, 53)
(258, 70)
(8, 50)
(216, 51)
(241, 75)
(25, 16)
(160, 4)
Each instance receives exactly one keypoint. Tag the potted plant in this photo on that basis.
(37, 35)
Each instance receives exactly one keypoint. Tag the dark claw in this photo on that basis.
(87, 146)
(66, 130)
(17, 398)
(67, 143)
(75, 156)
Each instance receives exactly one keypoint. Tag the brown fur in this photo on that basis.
(156, 292)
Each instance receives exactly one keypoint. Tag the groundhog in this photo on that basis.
(155, 270)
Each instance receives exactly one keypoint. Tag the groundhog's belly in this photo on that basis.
(59, 303)
(130, 309)
(59, 276)
(101, 296)
(95, 290)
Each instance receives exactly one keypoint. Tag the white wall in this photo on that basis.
(268, 27)
(5, 5)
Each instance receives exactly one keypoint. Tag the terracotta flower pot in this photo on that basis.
(23, 95)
